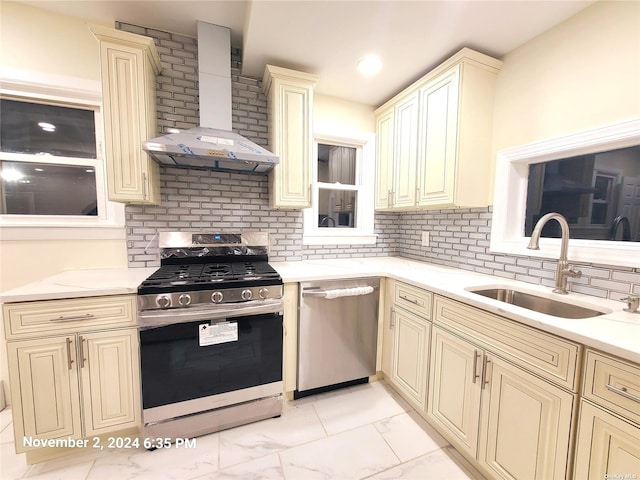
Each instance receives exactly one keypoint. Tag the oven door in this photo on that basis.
(201, 365)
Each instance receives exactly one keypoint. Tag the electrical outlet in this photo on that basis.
(425, 239)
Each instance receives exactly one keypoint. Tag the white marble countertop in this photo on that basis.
(617, 332)
(80, 283)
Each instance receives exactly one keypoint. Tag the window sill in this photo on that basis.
(339, 238)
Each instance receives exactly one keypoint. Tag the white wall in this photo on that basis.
(581, 74)
(334, 115)
(37, 40)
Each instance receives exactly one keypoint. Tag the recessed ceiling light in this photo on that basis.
(173, 130)
(47, 127)
(370, 65)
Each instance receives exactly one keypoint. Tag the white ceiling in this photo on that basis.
(327, 38)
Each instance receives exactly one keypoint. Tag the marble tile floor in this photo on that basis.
(362, 432)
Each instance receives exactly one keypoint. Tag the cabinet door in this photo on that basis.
(384, 160)
(607, 447)
(526, 424)
(108, 364)
(437, 151)
(126, 110)
(291, 139)
(454, 386)
(406, 150)
(410, 355)
(44, 389)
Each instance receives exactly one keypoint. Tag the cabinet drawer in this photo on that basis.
(47, 317)
(613, 383)
(413, 299)
(549, 356)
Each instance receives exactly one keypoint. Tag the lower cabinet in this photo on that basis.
(514, 424)
(75, 385)
(406, 341)
(410, 355)
(74, 369)
(608, 446)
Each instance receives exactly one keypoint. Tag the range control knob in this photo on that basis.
(184, 299)
(216, 297)
(263, 293)
(163, 301)
(246, 294)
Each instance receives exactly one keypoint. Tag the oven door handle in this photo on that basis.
(160, 318)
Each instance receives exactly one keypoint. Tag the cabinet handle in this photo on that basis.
(144, 186)
(476, 355)
(392, 323)
(388, 198)
(81, 344)
(69, 359)
(623, 391)
(72, 318)
(415, 302)
(485, 371)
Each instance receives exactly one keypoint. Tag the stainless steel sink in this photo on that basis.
(538, 304)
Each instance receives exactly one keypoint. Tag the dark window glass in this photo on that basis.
(336, 208)
(35, 128)
(336, 164)
(47, 189)
(598, 194)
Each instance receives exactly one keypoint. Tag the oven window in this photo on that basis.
(175, 368)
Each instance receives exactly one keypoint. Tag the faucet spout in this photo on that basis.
(563, 271)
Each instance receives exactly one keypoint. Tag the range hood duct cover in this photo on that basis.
(212, 145)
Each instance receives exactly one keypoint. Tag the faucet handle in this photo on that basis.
(633, 302)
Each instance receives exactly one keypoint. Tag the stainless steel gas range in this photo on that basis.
(210, 335)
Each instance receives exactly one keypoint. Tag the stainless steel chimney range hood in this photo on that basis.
(212, 145)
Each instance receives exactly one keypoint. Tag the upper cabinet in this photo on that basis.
(130, 64)
(434, 138)
(290, 98)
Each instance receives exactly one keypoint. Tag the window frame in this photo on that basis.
(363, 233)
(510, 194)
(35, 87)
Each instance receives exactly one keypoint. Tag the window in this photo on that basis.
(600, 232)
(51, 167)
(342, 193)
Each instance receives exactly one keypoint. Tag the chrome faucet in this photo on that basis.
(563, 271)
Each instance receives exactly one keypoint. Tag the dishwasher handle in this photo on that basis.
(339, 292)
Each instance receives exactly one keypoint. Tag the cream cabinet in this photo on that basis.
(405, 152)
(384, 159)
(608, 439)
(290, 103)
(406, 341)
(78, 379)
(290, 344)
(441, 138)
(485, 397)
(130, 64)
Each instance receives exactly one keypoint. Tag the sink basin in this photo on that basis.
(537, 303)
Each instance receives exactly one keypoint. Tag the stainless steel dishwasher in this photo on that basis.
(337, 333)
